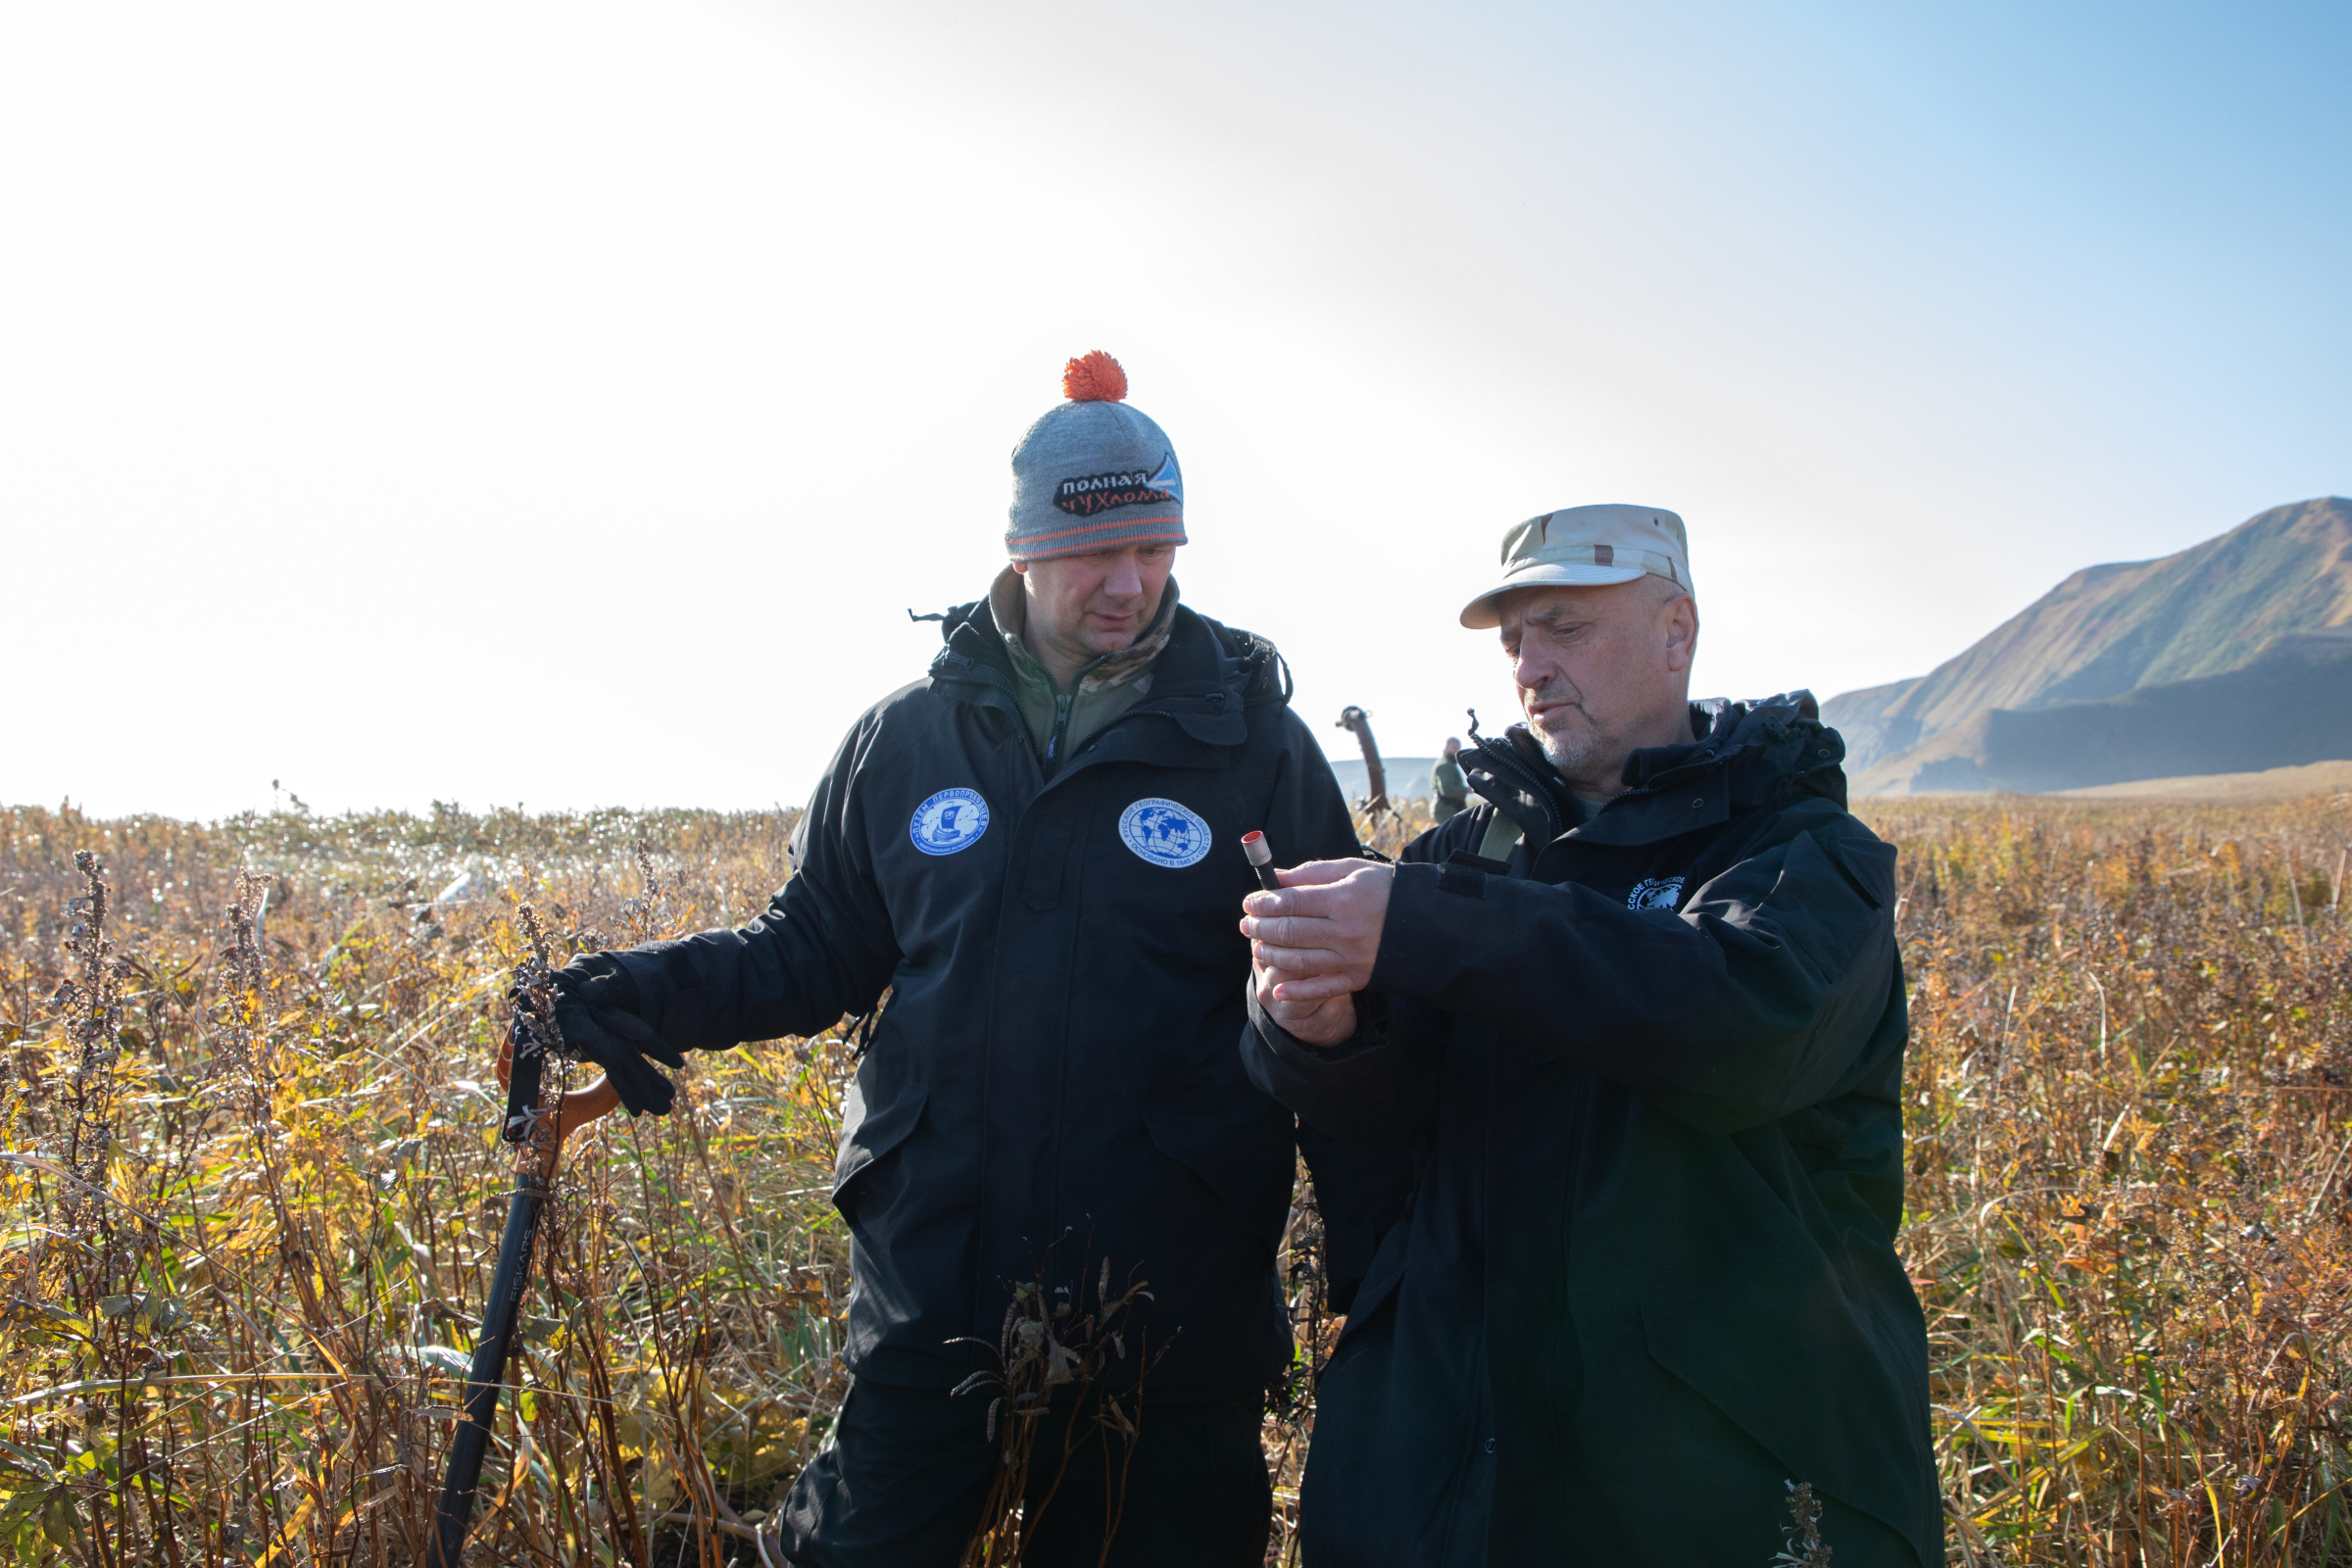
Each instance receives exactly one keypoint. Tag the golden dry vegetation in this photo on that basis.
(253, 1190)
(2130, 1117)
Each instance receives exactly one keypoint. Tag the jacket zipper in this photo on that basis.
(1061, 726)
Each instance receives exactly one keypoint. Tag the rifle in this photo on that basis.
(535, 1124)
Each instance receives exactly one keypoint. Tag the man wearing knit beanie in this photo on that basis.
(1062, 1190)
(1097, 511)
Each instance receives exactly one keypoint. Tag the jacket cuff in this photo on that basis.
(658, 970)
(1425, 900)
(1371, 1033)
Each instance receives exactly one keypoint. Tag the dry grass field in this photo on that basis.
(251, 1192)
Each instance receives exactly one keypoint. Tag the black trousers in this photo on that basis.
(904, 1480)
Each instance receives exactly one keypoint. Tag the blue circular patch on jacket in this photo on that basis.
(951, 820)
(1163, 832)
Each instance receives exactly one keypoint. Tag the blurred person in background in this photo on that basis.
(1032, 850)
(1448, 795)
(1642, 1006)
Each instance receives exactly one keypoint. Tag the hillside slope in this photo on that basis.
(2292, 706)
(2107, 630)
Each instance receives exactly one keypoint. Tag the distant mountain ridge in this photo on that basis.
(2147, 664)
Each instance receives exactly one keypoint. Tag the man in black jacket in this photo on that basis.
(1643, 1005)
(1033, 850)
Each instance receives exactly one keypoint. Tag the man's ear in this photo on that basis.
(1681, 614)
(1021, 566)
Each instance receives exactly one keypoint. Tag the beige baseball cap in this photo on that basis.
(1585, 547)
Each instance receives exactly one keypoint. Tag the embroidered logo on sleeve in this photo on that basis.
(1656, 892)
(1164, 832)
(951, 820)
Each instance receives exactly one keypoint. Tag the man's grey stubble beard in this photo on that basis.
(1570, 752)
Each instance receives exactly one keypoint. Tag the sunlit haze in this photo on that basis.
(564, 404)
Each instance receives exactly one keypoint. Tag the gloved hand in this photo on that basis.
(595, 1009)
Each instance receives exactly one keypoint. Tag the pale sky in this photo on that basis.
(564, 402)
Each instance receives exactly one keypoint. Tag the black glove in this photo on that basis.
(595, 1009)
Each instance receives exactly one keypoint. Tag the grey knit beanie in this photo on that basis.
(1094, 474)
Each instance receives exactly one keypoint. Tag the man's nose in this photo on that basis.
(1531, 668)
(1125, 581)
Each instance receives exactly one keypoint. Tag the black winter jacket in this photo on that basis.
(1053, 1082)
(1649, 1275)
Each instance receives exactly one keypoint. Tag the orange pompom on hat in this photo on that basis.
(1093, 377)
(1094, 474)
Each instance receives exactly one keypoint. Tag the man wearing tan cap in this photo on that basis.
(1644, 1004)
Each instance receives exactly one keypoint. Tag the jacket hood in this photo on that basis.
(1741, 753)
(1770, 745)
